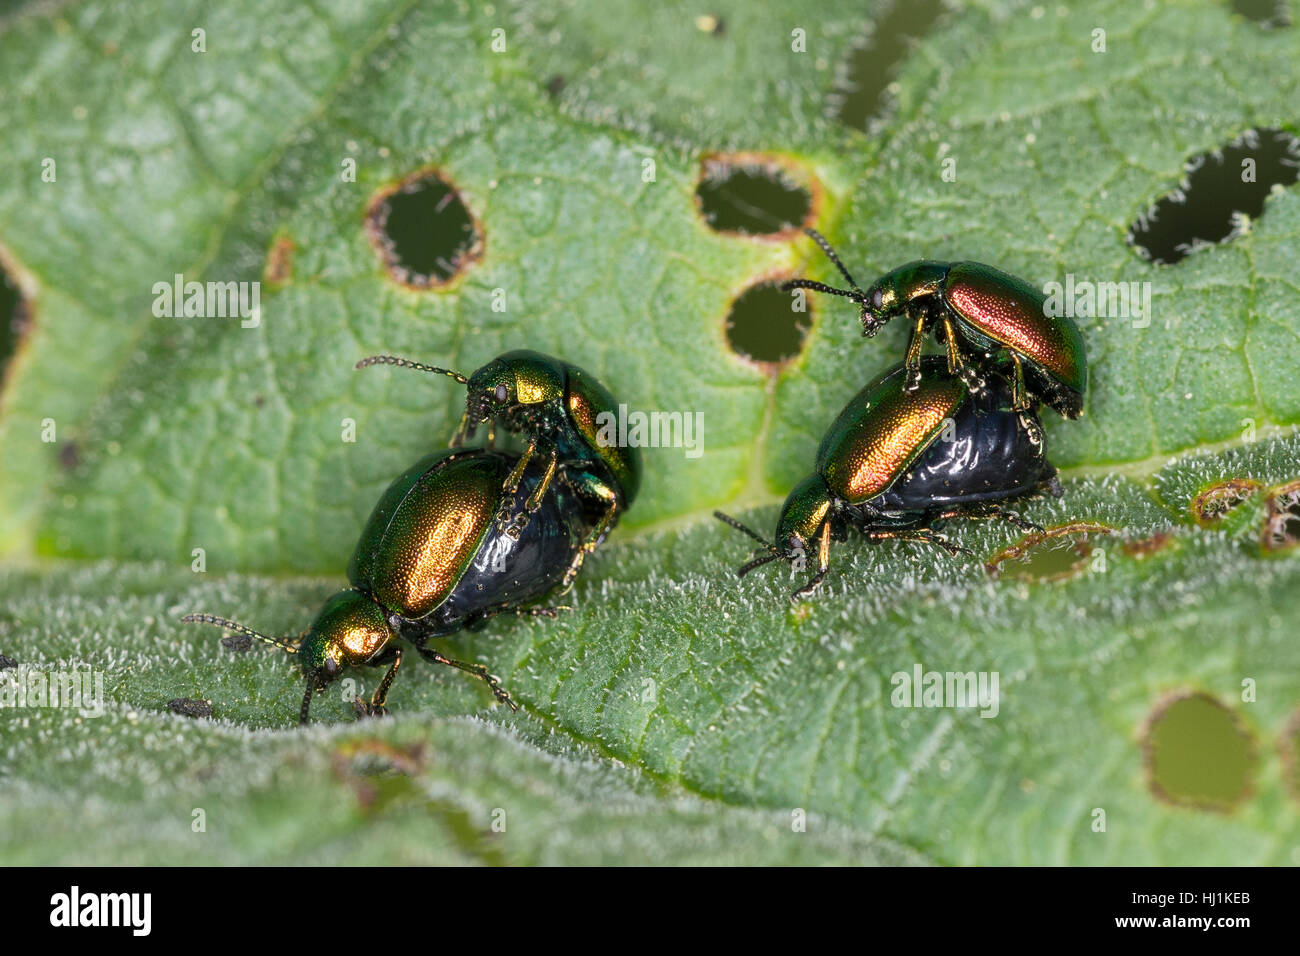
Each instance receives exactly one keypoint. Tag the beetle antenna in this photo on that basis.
(306, 698)
(727, 519)
(238, 628)
(758, 562)
(818, 238)
(407, 363)
(858, 296)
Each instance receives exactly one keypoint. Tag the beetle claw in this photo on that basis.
(364, 708)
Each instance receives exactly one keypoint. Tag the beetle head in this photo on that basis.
(511, 380)
(878, 304)
(350, 629)
(805, 512)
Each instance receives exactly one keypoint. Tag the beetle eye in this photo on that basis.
(877, 299)
(331, 666)
(502, 394)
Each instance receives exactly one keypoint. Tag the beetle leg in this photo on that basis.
(1019, 394)
(950, 338)
(376, 706)
(463, 431)
(590, 486)
(516, 525)
(551, 612)
(923, 535)
(511, 484)
(478, 670)
(987, 513)
(572, 572)
(535, 499)
(823, 564)
(913, 359)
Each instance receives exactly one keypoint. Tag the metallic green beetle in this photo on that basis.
(990, 312)
(563, 413)
(432, 560)
(897, 460)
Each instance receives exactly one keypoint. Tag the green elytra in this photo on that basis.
(882, 469)
(977, 309)
(430, 561)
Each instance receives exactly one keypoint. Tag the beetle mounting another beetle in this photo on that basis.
(897, 461)
(554, 406)
(432, 560)
(978, 311)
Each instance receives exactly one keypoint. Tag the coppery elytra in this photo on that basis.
(431, 560)
(978, 311)
(897, 461)
(557, 408)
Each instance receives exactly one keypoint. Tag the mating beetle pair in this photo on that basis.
(927, 440)
(467, 534)
(978, 309)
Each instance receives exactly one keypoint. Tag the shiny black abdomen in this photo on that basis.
(510, 573)
(989, 458)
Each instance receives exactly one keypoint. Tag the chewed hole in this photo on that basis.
(1198, 752)
(1269, 14)
(423, 231)
(753, 195)
(1052, 555)
(1281, 531)
(1214, 502)
(708, 23)
(14, 317)
(864, 90)
(764, 326)
(279, 261)
(1220, 188)
(1145, 547)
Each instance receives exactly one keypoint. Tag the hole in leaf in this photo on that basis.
(423, 231)
(708, 23)
(1269, 14)
(753, 195)
(763, 326)
(1281, 531)
(378, 772)
(1052, 555)
(1145, 547)
(1198, 752)
(279, 261)
(14, 317)
(1216, 500)
(1219, 189)
(864, 91)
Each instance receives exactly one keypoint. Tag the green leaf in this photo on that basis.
(676, 714)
